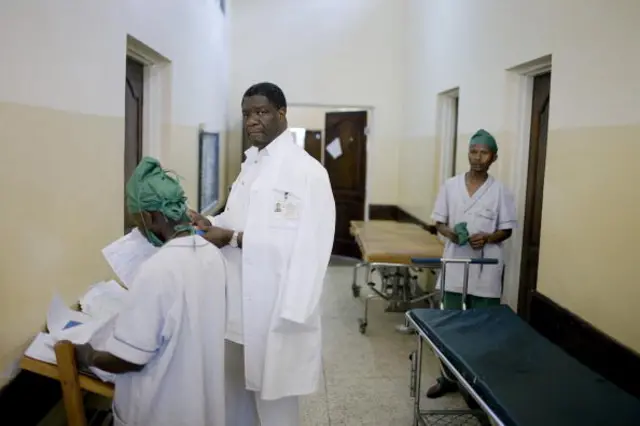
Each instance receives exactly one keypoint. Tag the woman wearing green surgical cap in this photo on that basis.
(167, 347)
(476, 214)
(157, 203)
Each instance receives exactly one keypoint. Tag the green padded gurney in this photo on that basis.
(522, 377)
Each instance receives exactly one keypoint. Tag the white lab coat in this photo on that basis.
(491, 208)
(173, 324)
(288, 237)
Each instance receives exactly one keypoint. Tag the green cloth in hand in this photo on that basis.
(462, 232)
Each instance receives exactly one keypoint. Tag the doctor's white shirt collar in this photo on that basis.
(253, 153)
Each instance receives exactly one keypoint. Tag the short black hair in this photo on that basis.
(270, 91)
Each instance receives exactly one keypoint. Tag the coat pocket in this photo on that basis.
(485, 220)
(117, 420)
(285, 210)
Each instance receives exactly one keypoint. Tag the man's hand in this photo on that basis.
(198, 220)
(217, 236)
(479, 240)
(446, 232)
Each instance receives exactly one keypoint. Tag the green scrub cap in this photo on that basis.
(482, 137)
(151, 189)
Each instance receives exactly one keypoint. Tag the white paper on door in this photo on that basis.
(335, 148)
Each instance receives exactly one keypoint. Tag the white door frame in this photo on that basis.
(446, 128)
(521, 79)
(156, 106)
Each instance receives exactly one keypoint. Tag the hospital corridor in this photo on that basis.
(319, 213)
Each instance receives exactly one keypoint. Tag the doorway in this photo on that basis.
(346, 162)
(447, 128)
(313, 144)
(133, 116)
(534, 191)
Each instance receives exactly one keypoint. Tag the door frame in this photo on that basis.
(446, 131)
(156, 109)
(369, 133)
(521, 78)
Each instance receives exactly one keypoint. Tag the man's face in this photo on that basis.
(480, 157)
(262, 121)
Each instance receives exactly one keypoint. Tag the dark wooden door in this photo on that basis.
(313, 143)
(348, 174)
(454, 150)
(534, 194)
(134, 89)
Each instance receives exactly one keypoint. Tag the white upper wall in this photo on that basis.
(457, 43)
(327, 52)
(70, 55)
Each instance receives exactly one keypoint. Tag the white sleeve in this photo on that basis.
(441, 207)
(138, 329)
(507, 216)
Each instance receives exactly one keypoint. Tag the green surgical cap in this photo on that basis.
(482, 137)
(151, 189)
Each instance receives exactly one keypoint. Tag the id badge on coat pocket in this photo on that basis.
(286, 209)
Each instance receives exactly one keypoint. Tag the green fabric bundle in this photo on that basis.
(462, 232)
(151, 189)
(482, 137)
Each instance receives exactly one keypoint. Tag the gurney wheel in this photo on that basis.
(362, 326)
(355, 290)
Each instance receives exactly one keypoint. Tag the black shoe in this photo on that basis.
(441, 388)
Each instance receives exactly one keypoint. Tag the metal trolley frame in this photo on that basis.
(398, 287)
(432, 417)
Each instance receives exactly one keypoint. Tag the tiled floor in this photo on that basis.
(366, 377)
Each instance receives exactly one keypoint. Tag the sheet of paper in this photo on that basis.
(60, 317)
(126, 254)
(42, 349)
(104, 299)
(335, 148)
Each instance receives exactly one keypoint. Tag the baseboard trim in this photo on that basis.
(393, 212)
(598, 351)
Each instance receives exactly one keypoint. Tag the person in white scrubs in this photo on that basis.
(276, 233)
(167, 346)
(476, 214)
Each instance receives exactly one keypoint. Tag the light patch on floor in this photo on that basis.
(366, 377)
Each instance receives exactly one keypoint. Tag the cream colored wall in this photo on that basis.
(330, 52)
(61, 133)
(311, 118)
(591, 203)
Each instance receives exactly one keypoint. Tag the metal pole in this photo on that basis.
(465, 286)
(442, 281)
(416, 400)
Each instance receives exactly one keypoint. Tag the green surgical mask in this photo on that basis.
(153, 238)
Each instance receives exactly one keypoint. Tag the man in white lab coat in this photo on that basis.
(276, 233)
(167, 343)
(475, 213)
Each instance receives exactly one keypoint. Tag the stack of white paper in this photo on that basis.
(66, 324)
(126, 254)
(100, 305)
(104, 300)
